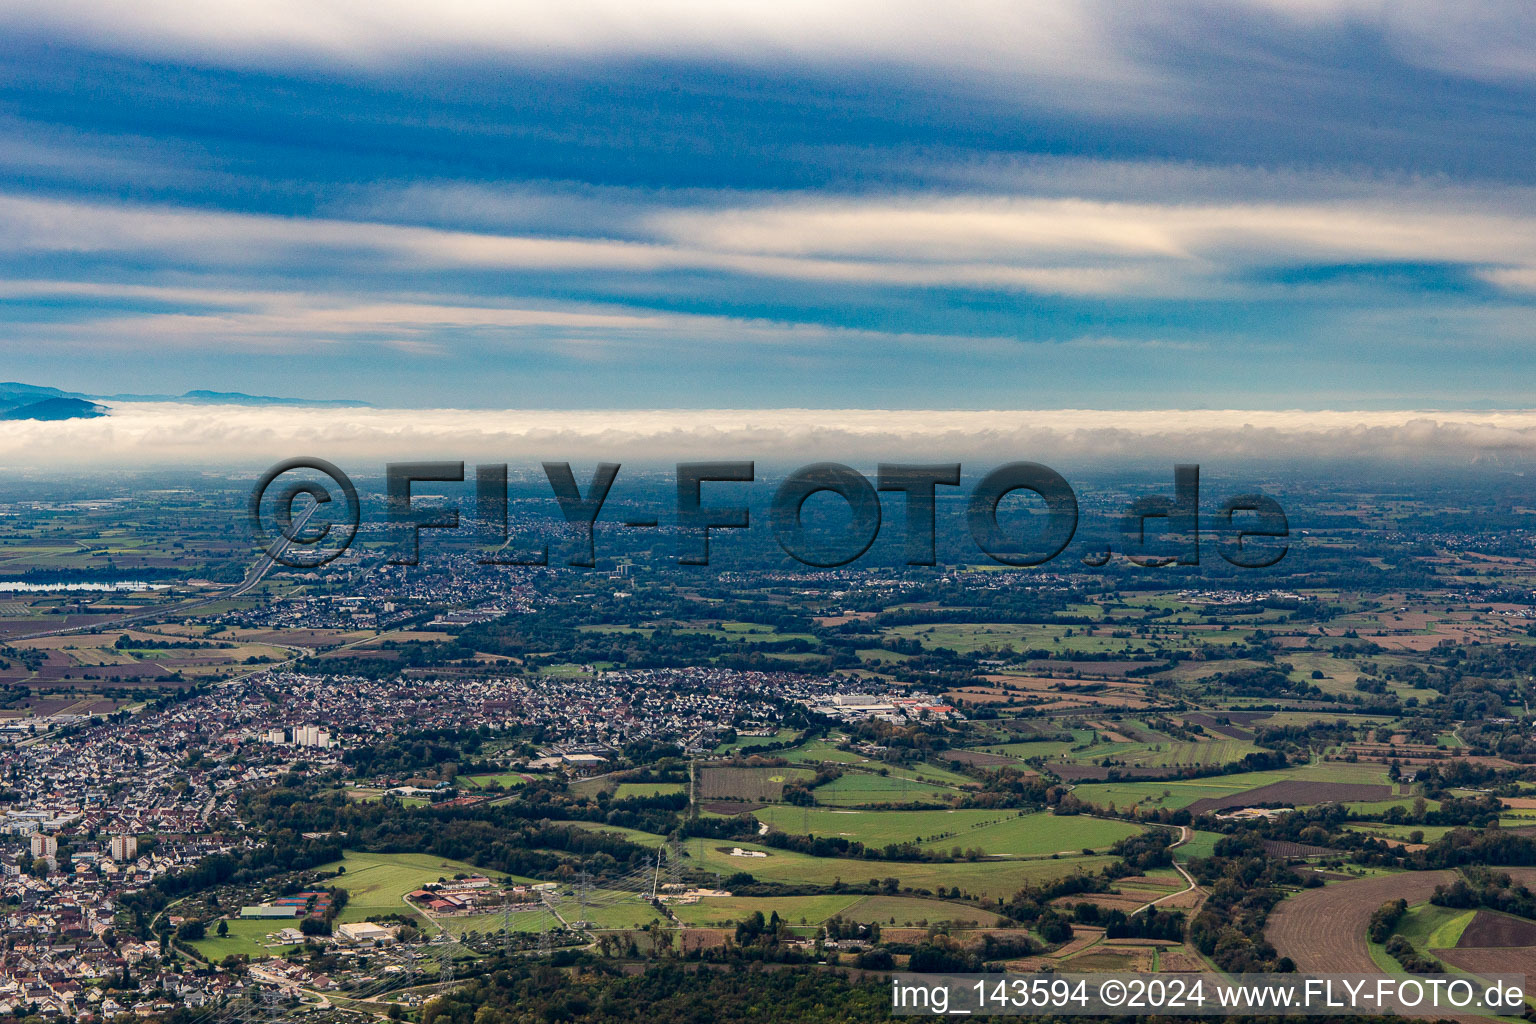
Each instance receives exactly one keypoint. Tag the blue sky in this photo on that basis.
(1252, 204)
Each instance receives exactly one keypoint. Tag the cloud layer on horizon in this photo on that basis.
(148, 435)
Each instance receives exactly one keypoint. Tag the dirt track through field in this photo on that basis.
(1323, 930)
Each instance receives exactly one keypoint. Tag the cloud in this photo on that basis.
(294, 321)
(1042, 41)
(1063, 246)
(1019, 40)
(1488, 39)
(361, 440)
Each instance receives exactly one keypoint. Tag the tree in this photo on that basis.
(223, 929)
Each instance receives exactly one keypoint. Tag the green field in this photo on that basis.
(782, 736)
(987, 878)
(1176, 793)
(1201, 844)
(1432, 833)
(1048, 749)
(993, 878)
(534, 920)
(971, 637)
(826, 751)
(1287, 718)
(1430, 927)
(854, 789)
(1383, 806)
(1041, 834)
(819, 751)
(606, 909)
(1169, 753)
(376, 883)
(630, 913)
(506, 780)
(718, 911)
(715, 912)
(875, 828)
(736, 632)
(649, 840)
(629, 789)
(997, 833)
(907, 911)
(245, 937)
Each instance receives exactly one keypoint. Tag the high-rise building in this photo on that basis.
(311, 736)
(124, 848)
(44, 846)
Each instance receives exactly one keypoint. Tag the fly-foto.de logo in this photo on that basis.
(1249, 530)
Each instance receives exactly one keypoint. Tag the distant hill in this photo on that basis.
(32, 402)
(235, 398)
(54, 409)
(13, 394)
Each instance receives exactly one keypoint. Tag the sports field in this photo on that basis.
(377, 882)
(246, 938)
(506, 780)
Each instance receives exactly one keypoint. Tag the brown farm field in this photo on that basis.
(1489, 929)
(1295, 794)
(1485, 961)
(1323, 930)
(94, 661)
(753, 784)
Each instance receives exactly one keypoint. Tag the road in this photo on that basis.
(1185, 835)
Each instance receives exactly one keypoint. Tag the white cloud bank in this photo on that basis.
(1065, 246)
(361, 440)
(1068, 41)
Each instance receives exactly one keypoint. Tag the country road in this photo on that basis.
(1185, 834)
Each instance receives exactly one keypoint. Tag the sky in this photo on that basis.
(1253, 204)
